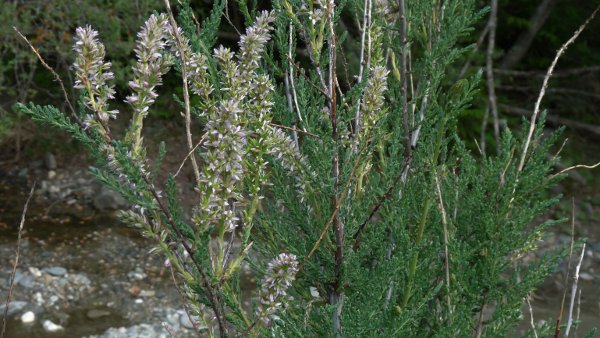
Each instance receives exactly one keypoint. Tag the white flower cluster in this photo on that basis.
(241, 109)
(280, 274)
(151, 64)
(374, 96)
(93, 73)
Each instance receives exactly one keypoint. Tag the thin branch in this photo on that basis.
(566, 282)
(484, 124)
(446, 253)
(189, 154)
(520, 48)
(293, 129)
(291, 77)
(536, 110)
(56, 77)
(590, 128)
(17, 253)
(403, 78)
(566, 91)
(558, 74)
(489, 66)
(575, 167)
(205, 280)
(336, 296)
(574, 292)
(480, 324)
(366, 27)
(478, 44)
(402, 177)
(337, 208)
(531, 321)
(186, 93)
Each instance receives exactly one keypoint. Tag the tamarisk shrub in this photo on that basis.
(344, 183)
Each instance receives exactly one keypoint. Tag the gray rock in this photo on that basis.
(36, 164)
(55, 271)
(27, 282)
(184, 320)
(97, 313)
(23, 172)
(49, 161)
(137, 274)
(49, 326)
(80, 279)
(18, 276)
(14, 307)
(108, 199)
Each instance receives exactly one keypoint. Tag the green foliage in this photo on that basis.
(376, 218)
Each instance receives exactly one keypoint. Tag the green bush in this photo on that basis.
(359, 209)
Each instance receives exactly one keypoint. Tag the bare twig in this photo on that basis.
(536, 110)
(190, 154)
(293, 129)
(564, 296)
(557, 74)
(467, 64)
(337, 208)
(186, 93)
(402, 177)
(595, 129)
(17, 253)
(578, 310)
(489, 66)
(56, 77)
(366, 27)
(531, 321)
(484, 123)
(291, 79)
(574, 292)
(521, 46)
(403, 78)
(336, 295)
(182, 300)
(479, 330)
(446, 253)
(566, 91)
(577, 166)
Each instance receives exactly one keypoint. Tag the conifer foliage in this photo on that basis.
(342, 184)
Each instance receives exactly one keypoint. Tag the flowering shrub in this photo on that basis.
(380, 220)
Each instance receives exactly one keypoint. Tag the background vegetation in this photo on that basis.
(392, 263)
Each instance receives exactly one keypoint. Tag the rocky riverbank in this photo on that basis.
(81, 273)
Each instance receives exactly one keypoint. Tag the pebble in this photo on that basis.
(586, 276)
(35, 272)
(28, 317)
(51, 327)
(37, 297)
(147, 293)
(138, 274)
(13, 307)
(184, 320)
(50, 161)
(51, 174)
(55, 271)
(80, 279)
(27, 282)
(96, 313)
